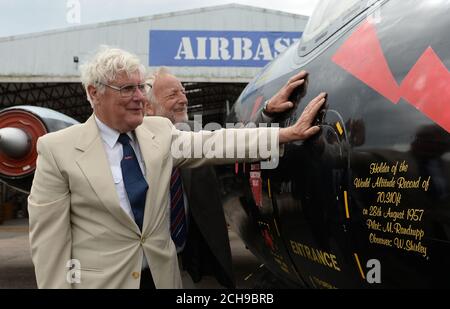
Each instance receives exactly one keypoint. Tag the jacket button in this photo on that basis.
(135, 274)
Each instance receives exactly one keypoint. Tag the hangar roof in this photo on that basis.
(54, 56)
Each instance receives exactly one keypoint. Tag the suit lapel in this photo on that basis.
(148, 144)
(186, 173)
(149, 147)
(95, 167)
(186, 176)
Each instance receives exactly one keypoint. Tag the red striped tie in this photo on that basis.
(177, 210)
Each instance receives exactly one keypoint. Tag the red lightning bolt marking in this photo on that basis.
(427, 85)
(361, 55)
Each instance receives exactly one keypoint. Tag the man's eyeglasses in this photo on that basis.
(129, 90)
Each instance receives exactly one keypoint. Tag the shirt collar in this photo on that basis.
(108, 134)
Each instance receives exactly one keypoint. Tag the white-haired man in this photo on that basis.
(204, 250)
(98, 203)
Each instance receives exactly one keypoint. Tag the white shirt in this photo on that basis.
(114, 152)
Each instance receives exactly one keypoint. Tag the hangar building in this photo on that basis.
(215, 51)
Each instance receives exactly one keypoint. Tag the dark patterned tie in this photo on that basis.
(134, 181)
(177, 211)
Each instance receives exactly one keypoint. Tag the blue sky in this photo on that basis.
(27, 16)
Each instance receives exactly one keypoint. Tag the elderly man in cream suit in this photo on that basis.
(84, 231)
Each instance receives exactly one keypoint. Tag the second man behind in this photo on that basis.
(204, 246)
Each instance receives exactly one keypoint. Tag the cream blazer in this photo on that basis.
(75, 216)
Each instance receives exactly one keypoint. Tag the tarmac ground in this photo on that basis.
(17, 271)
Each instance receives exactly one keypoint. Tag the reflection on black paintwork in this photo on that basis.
(374, 185)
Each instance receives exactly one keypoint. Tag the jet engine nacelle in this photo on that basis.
(20, 128)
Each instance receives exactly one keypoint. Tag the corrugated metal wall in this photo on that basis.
(49, 56)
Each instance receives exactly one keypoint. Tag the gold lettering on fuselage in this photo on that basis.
(379, 168)
(315, 255)
(362, 183)
(319, 283)
(384, 183)
(403, 183)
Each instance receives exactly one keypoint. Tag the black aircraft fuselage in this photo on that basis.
(366, 202)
